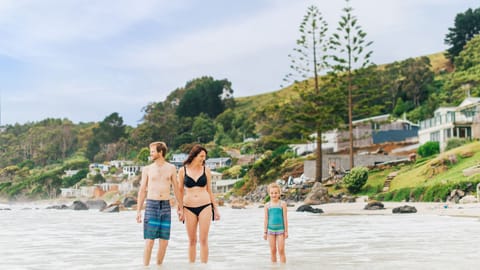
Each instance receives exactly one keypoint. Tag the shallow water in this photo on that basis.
(67, 239)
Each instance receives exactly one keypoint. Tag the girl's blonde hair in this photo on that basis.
(274, 185)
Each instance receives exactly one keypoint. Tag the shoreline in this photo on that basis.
(423, 208)
(329, 209)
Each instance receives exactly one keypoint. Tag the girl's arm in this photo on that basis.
(285, 218)
(265, 222)
(210, 192)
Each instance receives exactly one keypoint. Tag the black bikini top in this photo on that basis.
(201, 181)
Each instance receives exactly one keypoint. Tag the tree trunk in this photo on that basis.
(318, 160)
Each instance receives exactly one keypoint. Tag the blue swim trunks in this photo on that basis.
(157, 220)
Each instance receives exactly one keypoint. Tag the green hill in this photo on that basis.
(429, 179)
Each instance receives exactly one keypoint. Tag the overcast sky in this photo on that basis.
(85, 59)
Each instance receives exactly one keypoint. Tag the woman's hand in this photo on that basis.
(217, 213)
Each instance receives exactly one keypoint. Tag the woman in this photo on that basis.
(195, 184)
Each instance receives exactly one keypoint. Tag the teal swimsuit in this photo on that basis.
(275, 219)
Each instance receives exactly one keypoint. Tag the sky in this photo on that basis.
(85, 59)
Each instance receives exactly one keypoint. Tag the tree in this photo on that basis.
(308, 59)
(350, 43)
(466, 26)
(206, 95)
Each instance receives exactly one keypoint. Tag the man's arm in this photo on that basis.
(142, 192)
(178, 192)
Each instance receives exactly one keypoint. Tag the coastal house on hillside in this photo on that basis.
(178, 159)
(462, 121)
(366, 132)
(215, 163)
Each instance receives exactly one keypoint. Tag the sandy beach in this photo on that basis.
(423, 208)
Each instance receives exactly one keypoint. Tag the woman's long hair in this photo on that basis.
(196, 149)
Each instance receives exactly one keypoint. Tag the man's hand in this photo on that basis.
(139, 217)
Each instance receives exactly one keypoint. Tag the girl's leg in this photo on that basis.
(272, 240)
(204, 221)
(281, 248)
(191, 222)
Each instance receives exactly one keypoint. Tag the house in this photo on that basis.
(215, 163)
(222, 186)
(178, 159)
(131, 170)
(462, 122)
(366, 132)
(120, 163)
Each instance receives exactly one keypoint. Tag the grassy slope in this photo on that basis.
(420, 174)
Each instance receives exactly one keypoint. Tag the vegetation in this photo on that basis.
(355, 179)
(34, 156)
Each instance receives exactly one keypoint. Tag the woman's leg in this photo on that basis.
(204, 221)
(191, 222)
(281, 248)
(272, 240)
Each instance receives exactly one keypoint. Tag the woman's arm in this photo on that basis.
(210, 192)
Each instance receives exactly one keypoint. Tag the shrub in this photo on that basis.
(429, 148)
(454, 143)
(355, 179)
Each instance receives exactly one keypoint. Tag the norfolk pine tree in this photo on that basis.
(308, 59)
(350, 44)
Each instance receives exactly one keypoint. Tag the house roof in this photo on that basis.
(469, 101)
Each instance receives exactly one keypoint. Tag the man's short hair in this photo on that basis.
(161, 147)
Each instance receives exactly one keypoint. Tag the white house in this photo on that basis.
(131, 170)
(215, 163)
(462, 121)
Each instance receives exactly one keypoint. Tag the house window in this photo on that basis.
(435, 136)
(462, 132)
(447, 133)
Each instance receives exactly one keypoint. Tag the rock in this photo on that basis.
(79, 205)
(112, 208)
(238, 203)
(468, 199)
(96, 204)
(374, 205)
(58, 207)
(128, 202)
(318, 195)
(404, 209)
(309, 208)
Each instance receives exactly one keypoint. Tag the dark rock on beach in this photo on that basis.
(58, 207)
(79, 205)
(309, 208)
(96, 204)
(404, 209)
(128, 202)
(374, 205)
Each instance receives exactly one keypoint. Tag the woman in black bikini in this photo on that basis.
(195, 186)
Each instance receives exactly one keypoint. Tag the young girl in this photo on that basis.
(276, 223)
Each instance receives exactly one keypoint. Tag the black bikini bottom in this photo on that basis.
(198, 210)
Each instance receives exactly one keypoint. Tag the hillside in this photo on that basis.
(429, 179)
(248, 105)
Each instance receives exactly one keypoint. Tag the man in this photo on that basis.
(157, 179)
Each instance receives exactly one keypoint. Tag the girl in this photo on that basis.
(276, 223)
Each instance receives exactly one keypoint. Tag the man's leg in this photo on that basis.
(148, 251)
(162, 248)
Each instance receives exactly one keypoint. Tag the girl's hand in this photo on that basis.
(286, 235)
(265, 236)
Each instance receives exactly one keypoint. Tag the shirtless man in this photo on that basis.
(157, 179)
